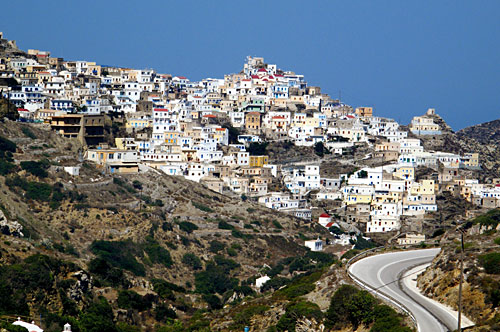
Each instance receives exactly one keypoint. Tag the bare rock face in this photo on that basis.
(82, 286)
(10, 227)
(308, 325)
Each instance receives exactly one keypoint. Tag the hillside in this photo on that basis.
(482, 139)
(481, 295)
(150, 251)
(484, 133)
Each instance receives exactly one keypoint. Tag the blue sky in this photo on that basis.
(401, 57)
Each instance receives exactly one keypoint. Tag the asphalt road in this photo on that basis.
(382, 271)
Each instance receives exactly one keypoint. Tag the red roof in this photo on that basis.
(278, 117)
(220, 129)
(330, 224)
(209, 116)
(271, 77)
(350, 116)
(22, 110)
(255, 76)
(160, 110)
(181, 77)
(246, 79)
(324, 215)
(262, 70)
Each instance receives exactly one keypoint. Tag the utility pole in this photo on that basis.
(461, 230)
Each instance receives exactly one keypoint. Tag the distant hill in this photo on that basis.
(484, 133)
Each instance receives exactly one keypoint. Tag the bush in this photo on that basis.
(27, 132)
(350, 306)
(202, 207)
(192, 260)
(128, 299)
(301, 285)
(214, 279)
(257, 149)
(6, 145)
(120, 254)
(213, 301)
(187, 226)
(277, 224)
(108, 274)
(497, 241)
(165, 289)
(37, 168)
(491, 262)
(6, 167)
(156, 253)
(216, 246)
(294, 311)
(225, 225)
(164, 313)
(489, 219)
(242, 319)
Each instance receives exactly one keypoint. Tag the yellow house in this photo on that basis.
(405, 173)
(364, 111)
(258, 161)
(138, 123)
(172, 136)
(358, 199)
(425, 187)
(471, 159)
(312, 122)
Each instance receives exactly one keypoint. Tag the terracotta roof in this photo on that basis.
(324, 215)
(278, 117)
(209, 116)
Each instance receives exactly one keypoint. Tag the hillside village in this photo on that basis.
(216, 132)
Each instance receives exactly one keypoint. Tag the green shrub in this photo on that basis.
(128, 299)
(108, 274)
(491, 262)
(352, 307)
(202, 207)
(294, 311)
(213, 301)
(187, 226)
(489, 219)
(497, 241)
(163, 313)
(98, 317)
(120, 254)
(277, 224)
(216, 246)
(156, 253)
(231, 252)
(166, 289)
(225, 225)
(213, 280)
(301, 285)
(242, 319)
(37, 168)
(27, 132)
(6, 167)
(192, 260)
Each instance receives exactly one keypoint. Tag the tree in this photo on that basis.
(257, 149)
(319, 149)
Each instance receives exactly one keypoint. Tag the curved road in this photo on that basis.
(381, 272)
